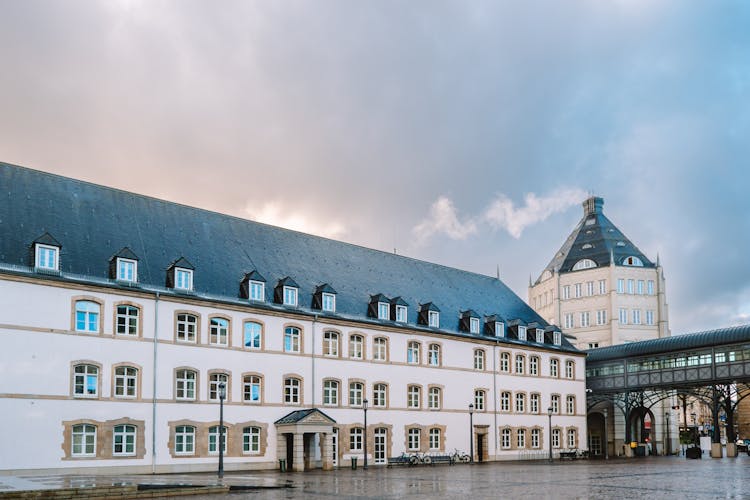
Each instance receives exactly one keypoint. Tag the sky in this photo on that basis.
(464, 133)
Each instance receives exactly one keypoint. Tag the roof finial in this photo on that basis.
(658, 260)
(498, 271)
(611, 257)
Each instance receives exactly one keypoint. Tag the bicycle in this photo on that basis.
(460, 456)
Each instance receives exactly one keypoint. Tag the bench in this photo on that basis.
(568, 455)
(442, 459)
(399, 460)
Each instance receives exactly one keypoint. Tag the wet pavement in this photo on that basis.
(655, 477)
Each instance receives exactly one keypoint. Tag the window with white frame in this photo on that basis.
(184, 440)
(86, 381)
(479, 359)
(434, 396)
(251, 387)
(631, 286)
(534, 365)
(413, 439)
(555, 403)
(649, 317)
(620, 285)
(589, 288)
(479, 398)
(650, 287)
(570, 369)
(632, 261)
(572, 441)
(127, 320)
(291, 339)
(330, 344)
(401, 314)
(329, 302)
(433, 355)
(641, 287)
(355, 393)
(602, 287)
(87, 316)
(540, 336)
(555, 438)
(214, 382)
(636, 316)
(568, 321)
(187, 326)
(251, 440)
(505, 362)
(257, 291)
(356, 345)
(412, 352)
(434, 439)
(47, 257)
(380, 395)
(499, 329)
(380, 349)
(520, 402)
(520, 364)
(554, 366)
(290, 296)
(557, 338)
(330, 393)
(384, 310)
(585, 319)
(566, 292)
(83, 442)
(577, 290)
(535, 438)
(433, 319)
(183, 279)
(252, 335)
(623, 316)
(521, 438)
(474, 325)
(185, 384)
(213, 439)
(126, 382)
(505, 439)
(601, 317)
(505, 401)
(355, 439)
(127, 270)
(521, 332)
(218, 332)
(292, 391)
(413, 396)
(123, 440)
(534, 403)
(570, 405)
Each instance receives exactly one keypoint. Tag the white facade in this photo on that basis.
(44, 404)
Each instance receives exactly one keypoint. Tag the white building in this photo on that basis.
(604, 291)
(122, 315)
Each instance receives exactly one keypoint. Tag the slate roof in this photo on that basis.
(596, 238)
(92, 222)
(676, 343)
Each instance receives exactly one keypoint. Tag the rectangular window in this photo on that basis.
(499, 329)
(434, 319)
(384, 310)
(218, 332)
(631, 286)
(555, 404)
(379, 395)
(379, 349)
(126, 382)
(593, 345)
(479, 400)
(585, 319)
(126, 270)
(620, 285)
(213, 439)
(533, 365)
(401, 314)
(46, 257)
(566, 292)
(577, 288)
(601, 317)
(569, 321)
(555, 438)
(86, 381)
(355, 346)
(602, 287)
(84, 441)
(434, 439)
(123, 440)
(590, 288)
(252, 335)
(534, 403)
(521, 332)
(649, 317)
(474, 325)
(540, 336)
(251, 440)
(183, 279)
(186, 327)
(623, 316)
(127, 320)
(412, 442)
(251, 389)
(650, 288)
(535, 438)
(87, 316)
(184, 440)
(636, 316)
(329, 302)
(355, 439)
(291, 391)
(557, 338)
(521, 438)
(257, 291)
(553, 367)
(290, 296)
(640, 287)
(520, 402)
(185, 385)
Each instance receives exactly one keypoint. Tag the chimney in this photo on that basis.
(593, 205)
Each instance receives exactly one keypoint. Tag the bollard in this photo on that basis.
(282, 465)
(354, 463)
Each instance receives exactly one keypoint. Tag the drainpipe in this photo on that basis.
(494, 391)
(153, 397)
(312, 361)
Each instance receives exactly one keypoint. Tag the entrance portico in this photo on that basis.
(296, 439)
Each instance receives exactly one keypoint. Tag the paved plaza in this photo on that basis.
(655, 477)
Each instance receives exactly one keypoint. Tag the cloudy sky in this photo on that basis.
(463, 133)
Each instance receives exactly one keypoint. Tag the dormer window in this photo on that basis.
(286, 292)
(379, 307)
(401, 314)
(521, 332)
(47, 257)
(474, 325)
(584, 264)
(383, 310)
(557, 338)
(183, 279)
(324, 298)
(399, 310)
(434, 319)
(127, 269)
(180, 275)
(632, 261)
(469, 322)
(329, 302)
(253, 287)
(540, 335)
(499, 329)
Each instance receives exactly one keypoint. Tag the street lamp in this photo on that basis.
(364, 407)
(667, 446)
(222, 396)
(549, 414)
(471, 432)
(606, 443)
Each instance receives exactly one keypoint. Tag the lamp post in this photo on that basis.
(471, 432)
(606, 443)
(549, 414)
(364, 407)
(667, 444)
(222, 395)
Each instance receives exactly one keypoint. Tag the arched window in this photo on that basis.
(83, 443)
(632, 261)
(292, 391)
(534, 365)
(413, 396)
(86, 381)
(584, 264)
(126, 382)
(554, 366)
(505, 401)
(251, 440)
(478, 359)
(505, 362)
(355, 393)
(218, 331)
(187, 326)
(355, 439)
(330, 344)
(412, 353)
(434, 439)
(123, 440)
(521, 438)
(555, 438)
(535, 441)
(570, 369)
(434, 397)
(330, 393)
(127, 320)
(570, 404)
(185, 382)
(184, 440)
(87, 316)
(380, 395)
(380, 349)
(520, 364)
(252, 335)
(520, 402)
(572, 439)
(291, 339)
(505, 439)
(251, 388)
(213, 439)
(479, 398)
(215, 380)
(433, 355)
(356, 347)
